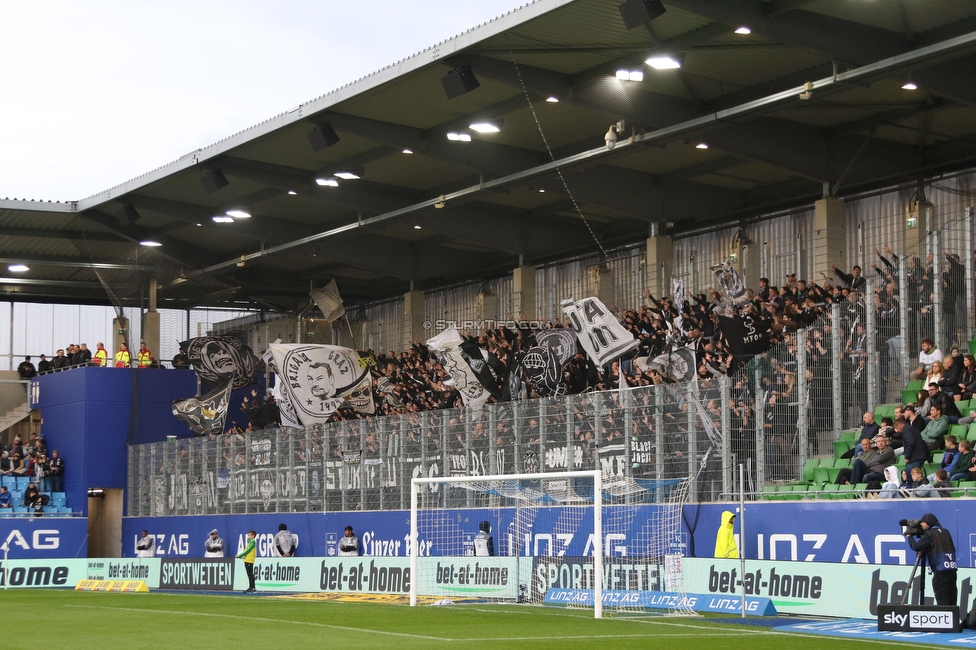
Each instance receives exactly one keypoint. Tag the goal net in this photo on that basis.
(569, 539)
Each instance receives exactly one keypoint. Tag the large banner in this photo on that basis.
(315, 380)
(42, 573)
(219, 359)
(447, 345)
(599, 332)
(206, 415)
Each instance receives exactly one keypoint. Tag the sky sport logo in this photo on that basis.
(484, 324)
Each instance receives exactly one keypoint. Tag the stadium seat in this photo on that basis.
(972, 347)
(9, 481)
(59, 499)
(845, 492)
(841, 447)
(850, 436)
(958, 430)
(829, 491)
(793, 494)
(769, 493)
(20, 510)
(6, 512)
(937, 457)
(809, 467)
(17, 498)
(22, 483)
(963, 405)
(968, 488)
(971, 434)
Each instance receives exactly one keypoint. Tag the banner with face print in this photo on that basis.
(219, 359)
(207, 414)
(316, 379)
(447, 345)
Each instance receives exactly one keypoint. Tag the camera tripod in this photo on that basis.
(921, 595)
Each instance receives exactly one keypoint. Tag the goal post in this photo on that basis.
(577, 539)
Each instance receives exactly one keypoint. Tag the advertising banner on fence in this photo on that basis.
(817, 588)
(145, 569)
(476, 577)
(42, 573)
(212, 574)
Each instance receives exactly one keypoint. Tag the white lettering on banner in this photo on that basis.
(854, 543)
(41, 540)
(608, 546)
(379, 547)
(782, 537)
(938, 620)
(818, 540)
(898, 554)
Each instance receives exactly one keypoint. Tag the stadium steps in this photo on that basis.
(13, 404)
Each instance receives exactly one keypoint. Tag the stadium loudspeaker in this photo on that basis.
(128, 213)
(459, 81)
(214, 180)
(637, 12)
(322, 137)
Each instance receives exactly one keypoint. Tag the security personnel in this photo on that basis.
(349, 544)
(145, 356)
(101, 355)
(122, 358)
(146, 546)
(484, 545)
(937, 546)
(214, 546)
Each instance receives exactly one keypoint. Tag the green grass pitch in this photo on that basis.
(71, 619)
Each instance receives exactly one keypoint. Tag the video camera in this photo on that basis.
(912, 527)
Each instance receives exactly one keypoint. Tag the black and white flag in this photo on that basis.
(219, 359)
(600, 334)
(328, 301)
(207, 414)
(447, 345)
(745, 338)
(678, 297)
(317, 379)
(542, 367)
(677, 365)
(733, 288)
(561, 340)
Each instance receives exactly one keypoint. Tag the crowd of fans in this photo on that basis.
(31, 461)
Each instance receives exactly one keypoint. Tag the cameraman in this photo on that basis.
(936, 543)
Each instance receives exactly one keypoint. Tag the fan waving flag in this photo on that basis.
(206, 415)
(315, 380)
(218, 359)
(600, 334)
(447, 345)
(328, 301)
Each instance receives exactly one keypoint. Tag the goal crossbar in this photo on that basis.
(596, 475)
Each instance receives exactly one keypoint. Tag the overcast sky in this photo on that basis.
(95, 93)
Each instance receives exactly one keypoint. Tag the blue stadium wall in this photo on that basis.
(91, 414)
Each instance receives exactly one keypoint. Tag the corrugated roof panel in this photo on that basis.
(922, 15)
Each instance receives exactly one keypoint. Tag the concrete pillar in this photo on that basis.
(415, 311)
(601, 284)
(120, 335)
(916, 225)
(829, 236)
(150, 323)
(487, 307)
(523, 292)
(660, 262)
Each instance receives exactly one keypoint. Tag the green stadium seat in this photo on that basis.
(769, 493)
(968, 488)
(791, 493)
(830, 491)
(909, 396)
(972, 347)
(850, 436)
(960, 431)
(841, 447)
(963, 405)
(915, 385)
(846, 492)
(971, 434)
(937, 457)
(809, 467)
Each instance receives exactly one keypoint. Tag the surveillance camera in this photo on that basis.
(611, 137)
(807, 91)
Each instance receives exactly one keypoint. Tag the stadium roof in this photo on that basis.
(774, 141)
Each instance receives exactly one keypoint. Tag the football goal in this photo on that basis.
(571, 539)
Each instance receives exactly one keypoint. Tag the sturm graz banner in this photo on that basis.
(447, 345)
(315, 380)
(676, 365)
(561, 340)
(599, 332)
(207, 414)
(218, 359)
(541, 366)
(745, 337)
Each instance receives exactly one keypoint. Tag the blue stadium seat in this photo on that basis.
(22, 483)
(16, 498)
(8, 481)
(59, 499)
(20, 510)
(6, 512)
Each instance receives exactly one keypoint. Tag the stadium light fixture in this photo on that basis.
(292, 193)
(909, 84)
(552, 99)
(18, 268)
(459, 137)
(664, 62)
(743, 31)
(487, 126)
(150, 243)
(129, 213)
(327, 182)
(239, 214)
(222, 218)
(701, 145)
(407, 151)
(349, 174)
(630, 75)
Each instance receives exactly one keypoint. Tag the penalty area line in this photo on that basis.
(269, 620)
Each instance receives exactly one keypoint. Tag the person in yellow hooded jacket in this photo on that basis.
(725, 540)
(248, 555)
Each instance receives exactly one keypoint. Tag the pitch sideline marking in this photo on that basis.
(268, 620)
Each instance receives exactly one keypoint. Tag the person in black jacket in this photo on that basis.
(916, 453)
(940, 551)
